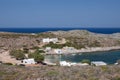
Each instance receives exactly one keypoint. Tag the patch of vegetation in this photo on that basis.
(35, 47)
(52, 73)
(2, 73)
(104, 68)
(9, 35)
(94, 44)
(59, 73)
(116, 78)
(52, 45)
(82, 42)
(69, 44)
(39, 51)
(37, 56)
(25, 50)
(45, 35)
(86, 61)
(8, 63)
(77, 42)
(18, 54)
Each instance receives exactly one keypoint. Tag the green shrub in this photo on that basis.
(116, 78)
(52, 73)
(37, 56)
(18, 54)
(39, 51)
(25, 50)
(69, 44)
(86, 61)
(8, 63)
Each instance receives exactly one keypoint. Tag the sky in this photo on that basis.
(60, 13)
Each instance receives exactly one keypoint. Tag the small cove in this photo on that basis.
(110, 57)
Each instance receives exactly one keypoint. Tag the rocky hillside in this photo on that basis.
(75, 38)
(89, 39)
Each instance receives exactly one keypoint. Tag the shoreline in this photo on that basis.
(97, 49)
(89, 50)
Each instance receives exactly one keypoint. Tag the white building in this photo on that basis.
(48, 48)
(98, 63)
(47, 40)
(58, 51)
(54, 40)
(64, 63)
(82, 64)
(28, 61)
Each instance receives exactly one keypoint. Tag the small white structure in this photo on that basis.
(98, 63)
(115, 63)
(47, 48)
(82, 64)
(73, 64)
(28, 61)
(58, 51)
(54, 40)
(64, 63)
(50, 63)
(47, 40)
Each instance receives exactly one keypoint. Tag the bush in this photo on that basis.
(8, 63)
(52, 45)
(37, 56)
(25, 50)
(86, 61)
(18, 54)
(39, 51)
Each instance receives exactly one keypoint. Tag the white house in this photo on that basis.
(58, 51)
(98, 63)
(28, 61)
(54, 40)
(47, 48)
(47, 40)
(64, 63)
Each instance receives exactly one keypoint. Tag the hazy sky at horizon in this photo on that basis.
(60, 13)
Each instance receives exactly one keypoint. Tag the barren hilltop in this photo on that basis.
(76, 38)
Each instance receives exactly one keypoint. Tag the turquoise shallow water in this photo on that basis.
(109, 57)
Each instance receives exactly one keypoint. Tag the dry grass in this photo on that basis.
(59, 73)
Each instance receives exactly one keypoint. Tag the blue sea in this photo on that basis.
(110, 57)
(39, 30)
